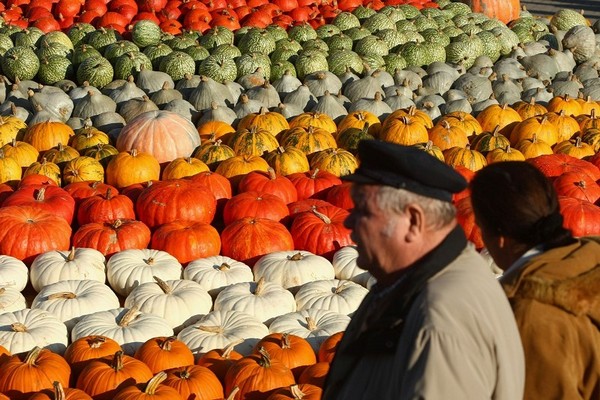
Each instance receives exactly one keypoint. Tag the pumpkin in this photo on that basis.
(329, 347)
(165, 135)
(23, 153)
(219, 186)
(533, 147)
(253, 204)
(69, 300)
(529, 109)
(315, 325)
(554, 165)
(567, 104)
(28, 231)
(349, 138)
(248, 239)
(269, 182)
(102, 152)
(103, 378)
(313, 183)
(253, 141)
(297, 391)
(588, 106)
(488, 141)
(36, 179)
(111, 237)
(581, 217)
(575, 148)
(60, 393)
(591, 136)
(37, 370)
(287, 160)
(25, 329)
(11, 127)
(431, 149)
(217, 329)
(501, 116)
(588, 121)
(129, 268)
(345, 266)
(11, 300)
(46, 168)
(339, 162)
(309, 139)
(82, 169)
(540, 126)
(315, 119)
(315, 374)
(343, 297)
(213, 130)
(566, 125)
(45, 135)
(293, 351)
(128, 327)
(13, 274)
(577, 184)
(60, 154)
(88, 348)
(360, 119)
(177, 301)
(464, 120)
(471, 159)
(127, 168)
(10, 170)
(466, 219)
(220, 360)
(504, 154)
(163, 353)
(257, 375)
(105, 208)
(187, 240)
(154, 389)
(270, 121)
(505, 11)
(217, 272)
(293, 268)
(412, 112)
(88, 137)
(321, 232)
(444, 135)
(213, 152)
(82, 190)
(404, 130)
(45, 197)
(180, 199)
(235, 168)
(182, 167)
(264, 300)
(194, 381)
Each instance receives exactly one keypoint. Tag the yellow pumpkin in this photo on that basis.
(212, 153)
(129, 167)
(315, 119)
(102, 153)
(464, 156)
(539, 126)
(10, 170)
(588, 121)
(533, 147)
(235, 168)
(182, 167)
(88, 137)
(431, 149)
(213, 130)
(565, 103)
(11, 128)
(529, 109)
(404, 130)
(566, 125)
(464, 120)
(270, 121)
(24, 153)
(46, 135)
(588, 105)
(574, 148)
(339, 162)
(504, 154)
(81, 169)
(46, 168)
(308, 139)
(287, 160)
(254, 141)
(358, 119)
(446, 136)
(60, 154)
(412, 112)
(592, 137)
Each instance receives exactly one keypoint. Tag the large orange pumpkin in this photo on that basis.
(164, 134)
(50, 198)
(127, 168)
(581, 217)
(109, 238)
(45, 135)
(270, 182)
(255, 205)
(187, 240)
(28, 231)
(105, 207)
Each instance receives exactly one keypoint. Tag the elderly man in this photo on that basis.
(437, 325)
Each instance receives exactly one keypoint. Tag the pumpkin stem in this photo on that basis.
(285, 341)
(297, 257)
(59, 392)
(40, 194)
(265, 361)
(149, 261)
(272, 174)
(128, 316)
(62, 295)
(96, 341)
(18, 327)
(227, 350)
(184, 373)
(117, 363)
(260, 286)
(133, 152)
(314, 174)
(71, 255)
(210, 329)
(164, 286)
(233, 393)
(340, 287)
(155, 382)
(33, 355)
(296, 392)
(311, 324)
(323, 217)
(117, 224)
(224, 267)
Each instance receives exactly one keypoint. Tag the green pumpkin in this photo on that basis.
(346, 20)
(392, 38)
(216, 36)
(145, 33)
(357, 33)
(28, 37)
(464, 49)
(56, 37)
(435, 36)
(394, 62)
(491, 46)
(53, 69)
(197, 52)
(362, 12)
(181, 43)
(131, 63)
(78, 31)
(457, 8)
(219, 68)
(20, 62)
(97, 71)
(118, 48)
(302, 32)
(156, 53)
(100, 39)
(315, 44)
(405, 25)
(257, 41)
(339, 60)
(309, 62)
(277, 32)
(422, 23)
(379, 21)
(248, 63)
(53, 49)
(507, 39)
(279, 68)
(409, 11)
(327, 30)
(393, 12)
(5, 43)
(339, 41)
(83, 51)
(177, 64)
(226, 50)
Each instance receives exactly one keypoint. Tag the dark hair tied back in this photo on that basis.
(547, 228)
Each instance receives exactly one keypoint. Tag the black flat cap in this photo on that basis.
(405, 167)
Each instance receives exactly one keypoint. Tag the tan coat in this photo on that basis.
(556, 301)
(459, 341)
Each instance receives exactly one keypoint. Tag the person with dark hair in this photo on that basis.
(436, 325)
(551, 279)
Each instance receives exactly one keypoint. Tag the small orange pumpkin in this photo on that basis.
(45, 135)
(127, 168)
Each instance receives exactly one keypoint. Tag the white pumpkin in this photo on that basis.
(217, 329)
(71, 300)
(128, 327)
(343, 297)
(217, 272)
(176, 301)
(76, 264)
(314, 324)
(292, 269)
(13, 273)
(264, 300)
(345, 267)
(11, 300)
(129, 268)
(22, 330)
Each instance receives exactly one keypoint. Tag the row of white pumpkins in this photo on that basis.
(219, 301)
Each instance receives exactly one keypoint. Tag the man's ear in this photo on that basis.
(416, 220)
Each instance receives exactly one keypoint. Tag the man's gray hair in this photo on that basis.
(439, 213)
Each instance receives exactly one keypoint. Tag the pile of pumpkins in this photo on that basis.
(194, 181)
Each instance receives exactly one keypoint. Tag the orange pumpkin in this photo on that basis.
(444, 135)
(214, 130)
(195, 382)
(533, 147)
(412, 112)
(329, 346)
(314, 119)
(566, 125)
(575, 148)
(304, 391)
(464, 120)
(529, 109)
(162, 353)
(220, 360)
(540, 126)
(21, 376)
(109, 238)
(315, 374)
(504, 154)
(404, 130)
(60, 393)
(471, 159)
(588, 105)
(501, 116)
(565, 103)
(154, 389)
(505, 11)
(127, 168)
(293, 351)
(182, 167)
(87, 348)
(187, 240)
(45, 135)
(102, 378)
(360, 119)
(588, 121)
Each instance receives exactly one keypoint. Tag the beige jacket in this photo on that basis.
(459, 341)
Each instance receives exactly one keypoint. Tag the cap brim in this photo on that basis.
(359, 178)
